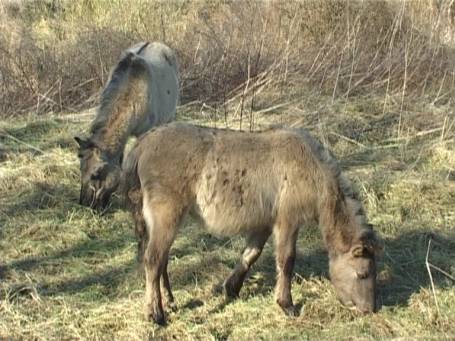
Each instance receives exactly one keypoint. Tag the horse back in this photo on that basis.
(163, 83)
(234, 181)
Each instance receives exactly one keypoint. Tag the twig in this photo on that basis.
(338, 75)
(5, 134)
(349, 140)
(442, 271)
(419, 134)
(245, 89)
(427, 263)
(440, 88)
(273, 107)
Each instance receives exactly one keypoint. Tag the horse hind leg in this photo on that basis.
(162, 221)
(285, 244)
(167, 285)
(234, 282)
(141, 233)
(142, 244)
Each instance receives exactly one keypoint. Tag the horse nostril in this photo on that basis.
(362, 310)
(362, 275)
(365, 310)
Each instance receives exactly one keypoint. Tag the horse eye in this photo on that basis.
(362, 275)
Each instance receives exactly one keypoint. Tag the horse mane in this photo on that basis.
(326, 157)
(342, 194)
(130, 63)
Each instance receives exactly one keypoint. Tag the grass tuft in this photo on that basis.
(66, 272)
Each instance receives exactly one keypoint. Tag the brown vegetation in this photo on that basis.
(68, 273)
(55, 55)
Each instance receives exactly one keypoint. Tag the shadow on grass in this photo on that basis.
(36, 137)
(403, 261)
(402, 265)
(108, 279)
(43, 195)
(94, 251)
(81, 250)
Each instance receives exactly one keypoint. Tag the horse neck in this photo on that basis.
(120, 116)
(123, 105)
(111, 139)
(335, 220)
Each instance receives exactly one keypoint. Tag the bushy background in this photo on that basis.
(55, 55)
(374, 80)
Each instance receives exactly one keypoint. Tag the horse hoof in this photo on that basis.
(231, 295)
(230, 291)
(155, 316)
(158, 319)
(290, 311)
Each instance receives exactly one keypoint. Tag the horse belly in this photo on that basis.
(235, 209)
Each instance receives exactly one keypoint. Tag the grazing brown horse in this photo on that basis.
(142, 92)
(253, 184)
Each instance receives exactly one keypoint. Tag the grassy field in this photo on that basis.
(373, 79)
(66, 272)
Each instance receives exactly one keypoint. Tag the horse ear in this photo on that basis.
(124, 63)
(371, 242)
(358, 250)
(127, 60)
(80, 141)
(83, 143)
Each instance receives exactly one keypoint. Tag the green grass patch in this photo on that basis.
(66, 272)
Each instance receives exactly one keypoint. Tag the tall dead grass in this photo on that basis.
(55, 55)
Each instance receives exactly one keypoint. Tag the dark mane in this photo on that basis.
(117, 79)
(327, 158)
(110, 91)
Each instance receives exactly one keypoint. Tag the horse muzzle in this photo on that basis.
(89, 197)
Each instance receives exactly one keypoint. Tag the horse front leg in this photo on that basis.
(285, 244)
(255, 244)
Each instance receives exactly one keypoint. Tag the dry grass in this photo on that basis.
(55, 55)
(374, 80)
(68, 273)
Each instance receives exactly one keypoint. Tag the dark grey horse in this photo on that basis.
(142, 92)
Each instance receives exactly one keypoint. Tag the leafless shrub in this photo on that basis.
(55, 55)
